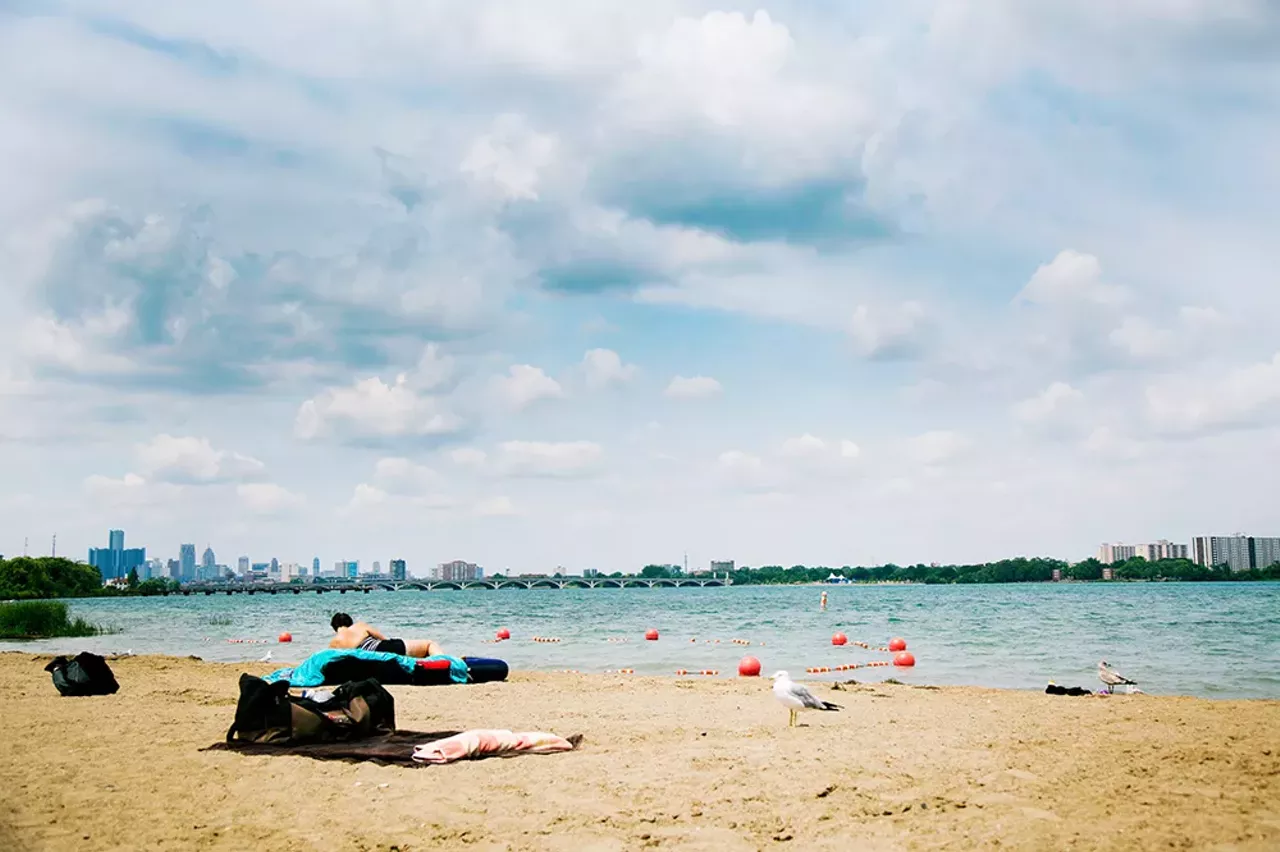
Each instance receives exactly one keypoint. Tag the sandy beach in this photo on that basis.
(680, 764)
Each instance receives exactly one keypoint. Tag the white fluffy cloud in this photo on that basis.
(604, 368)
(189, 459)
(371, 408)
(895, 331)
(693, 387)
(548, 458)
(268, 498)
(1240, 397)
(937, 447)
(524, 385)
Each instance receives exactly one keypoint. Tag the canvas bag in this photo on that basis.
(267, 713)
(85, 674)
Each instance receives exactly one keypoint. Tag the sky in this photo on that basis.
(565, 285)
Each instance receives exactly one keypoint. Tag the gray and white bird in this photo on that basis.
(795, 697)
(1112, 678)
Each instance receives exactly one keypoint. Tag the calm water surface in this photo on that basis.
(1210, 639)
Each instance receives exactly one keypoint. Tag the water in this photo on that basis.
(1215, 640)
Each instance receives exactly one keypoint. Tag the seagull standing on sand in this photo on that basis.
(795, 697)
(1112, 678)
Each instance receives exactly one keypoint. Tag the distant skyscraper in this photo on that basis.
(377, 567)
(315, 567)
(242, 565)
(115, 561)
(353, 569)
(275, 565)
(174, 569)
(187, 558)
(208, 561)
(397, 569)
(458, 571)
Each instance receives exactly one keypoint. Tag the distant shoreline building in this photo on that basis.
(725, 565)
(457, 571)
(398, 571)
(1238, 552)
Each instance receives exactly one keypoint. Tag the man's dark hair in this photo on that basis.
(340, 619)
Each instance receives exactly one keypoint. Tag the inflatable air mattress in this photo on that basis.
(331, 666)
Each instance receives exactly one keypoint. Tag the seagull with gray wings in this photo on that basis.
(795, 697)
(1112, 678)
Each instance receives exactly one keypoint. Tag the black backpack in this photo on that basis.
(87, 674)
(267, 713)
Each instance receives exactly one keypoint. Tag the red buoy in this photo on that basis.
(904, 658)
(839, 639)
(286, 637)
(503, 633)
(651, 635)
(748, 667)
(897, 643)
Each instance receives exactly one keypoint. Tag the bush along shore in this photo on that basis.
(45, 577)
(42, 620)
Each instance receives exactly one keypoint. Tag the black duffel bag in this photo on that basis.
(85, 674)
(267, 713)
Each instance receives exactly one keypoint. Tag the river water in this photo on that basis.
(1215, 640)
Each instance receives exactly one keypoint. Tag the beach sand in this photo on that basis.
(679, 764)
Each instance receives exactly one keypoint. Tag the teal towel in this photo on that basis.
(310, 672)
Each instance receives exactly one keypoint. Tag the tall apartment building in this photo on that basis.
(1237, 552)
(1161, 549)
(397, 569)
(718, 567)
(457, 571)
(242, 565)
(1109, 554)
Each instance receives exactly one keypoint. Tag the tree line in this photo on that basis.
(31, 577)
(1020, 570)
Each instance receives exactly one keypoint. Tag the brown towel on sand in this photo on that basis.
(387, 749)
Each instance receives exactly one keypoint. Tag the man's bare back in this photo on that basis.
(358, 634)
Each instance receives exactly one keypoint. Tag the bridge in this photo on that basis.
(366, 586)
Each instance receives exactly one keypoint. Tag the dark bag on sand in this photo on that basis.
(86, 674)
(267, 713)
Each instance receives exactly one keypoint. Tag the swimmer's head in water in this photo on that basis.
(340, 619)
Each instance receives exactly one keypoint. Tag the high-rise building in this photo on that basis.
(242, 565)
(1109, 554)
(397, 569)
(315, 567)
(353, 570)
(187, 558)
(208, 565)
(173, 568)
(340, 568)
(458, 571)
(1162, 549)
(1237, 552)
(722, 566)
(275, 565)
(115, 561)
(377, 568)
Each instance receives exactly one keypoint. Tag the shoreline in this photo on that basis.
(688, 764)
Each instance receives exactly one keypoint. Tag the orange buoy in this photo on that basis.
(748, 667)
(839, 639)
(904, 658)
(897, 643)
(651, 635)
(503, 633)
(286, 636)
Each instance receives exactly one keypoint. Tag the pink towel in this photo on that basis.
(487, 742)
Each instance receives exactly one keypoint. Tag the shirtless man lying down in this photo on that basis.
(360, 635)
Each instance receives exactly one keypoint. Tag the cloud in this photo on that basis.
(524, 385)
(548, 459)
(402, 476)
(604, 368)
(130, 491)
(167, 458)
(1070, 279)
(268, 498)
(510, 157)
(1243, 396)
(372, 409)
(468, 456)
(1054, 401)
(938, 447)
(495, 507)
(741, 470)
(695, 387)
(889, 333)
